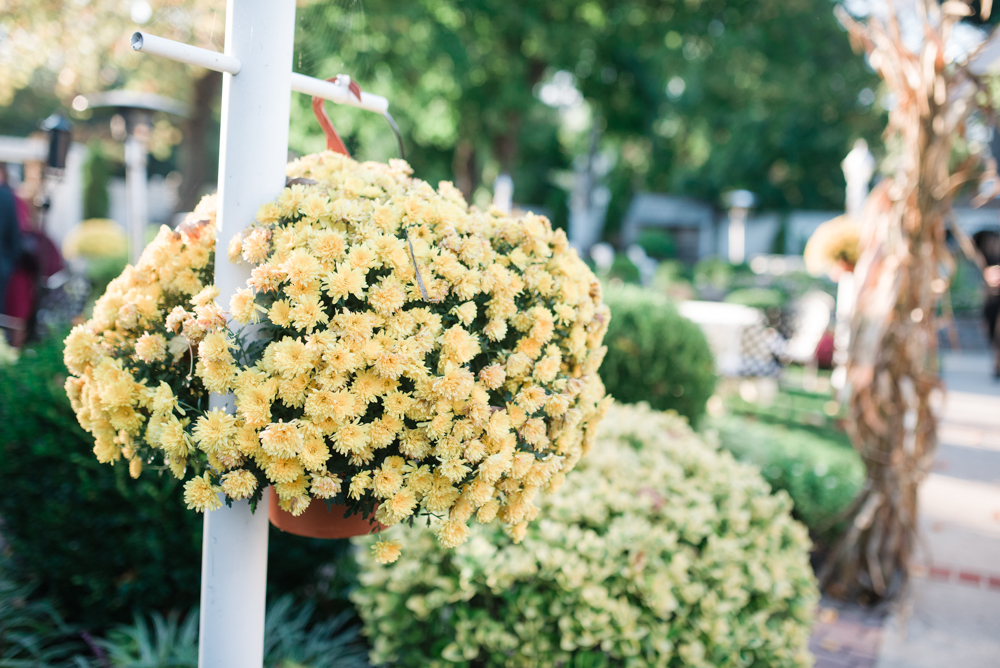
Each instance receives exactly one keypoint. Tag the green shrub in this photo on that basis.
(671, 280)
(658, 244)
(821, 474)
(98, 543)
(102, 271)
(713, 272)
(32, 633)
(655, 355)
(794, 407)
(96, 174)
(658, 551)
(668, 273)
(292, 639)
(623, 269)
(762, 298)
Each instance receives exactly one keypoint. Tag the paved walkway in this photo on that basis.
(846, 635)
(951, 617)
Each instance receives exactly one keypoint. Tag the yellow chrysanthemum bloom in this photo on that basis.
(201, 495)
(386, 551)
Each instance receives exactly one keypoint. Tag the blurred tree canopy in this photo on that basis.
(689, 96)
(73, 47)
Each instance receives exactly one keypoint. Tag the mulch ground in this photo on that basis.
(846, 635)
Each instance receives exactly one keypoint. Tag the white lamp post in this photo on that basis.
(136, 110)
(256, 86)
(739, 202)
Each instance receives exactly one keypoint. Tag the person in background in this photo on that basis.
(10, 233)
(987, 244)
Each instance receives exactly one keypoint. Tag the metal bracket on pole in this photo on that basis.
(185, 53)
(213, 60)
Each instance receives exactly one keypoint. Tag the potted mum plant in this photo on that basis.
(394, 352)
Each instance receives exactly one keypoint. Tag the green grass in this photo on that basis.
(799, 409)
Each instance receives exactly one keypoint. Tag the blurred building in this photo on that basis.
(701, 230)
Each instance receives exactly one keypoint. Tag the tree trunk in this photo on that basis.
(206, 89)
(463, 166)
(507, 145)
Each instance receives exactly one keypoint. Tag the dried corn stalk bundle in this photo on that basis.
(892, 365)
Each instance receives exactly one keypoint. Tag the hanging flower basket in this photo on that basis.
(394, 349)
(320, 520)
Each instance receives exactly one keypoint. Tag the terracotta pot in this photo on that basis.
(318, 522)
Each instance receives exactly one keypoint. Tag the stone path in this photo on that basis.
(951, 617)
(845, 636)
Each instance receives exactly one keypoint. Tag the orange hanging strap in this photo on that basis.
(333, 140)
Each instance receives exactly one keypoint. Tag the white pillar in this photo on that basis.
(135, 195)
(842, 329)
(859, 167)
(737, 235)
(253, 153)
(66, 210)
(503, 192)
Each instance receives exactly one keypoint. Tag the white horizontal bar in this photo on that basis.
(185, 53)
(337, 93)
(220, 62)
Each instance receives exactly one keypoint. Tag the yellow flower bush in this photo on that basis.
(393, 349)
(96, 238)
(658, 551)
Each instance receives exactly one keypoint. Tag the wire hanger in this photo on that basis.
(333, 141)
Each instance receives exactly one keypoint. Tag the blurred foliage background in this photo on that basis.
(694, 97)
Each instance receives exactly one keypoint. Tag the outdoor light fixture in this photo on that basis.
(131, 125)
(60, 136)
(739, 203)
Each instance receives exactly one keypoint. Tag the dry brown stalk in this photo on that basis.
(893, 357)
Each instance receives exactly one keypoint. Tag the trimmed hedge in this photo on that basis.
(822, 475)
(656, 355)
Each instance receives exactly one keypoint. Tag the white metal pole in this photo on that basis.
(253, 153)
(135, 193)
